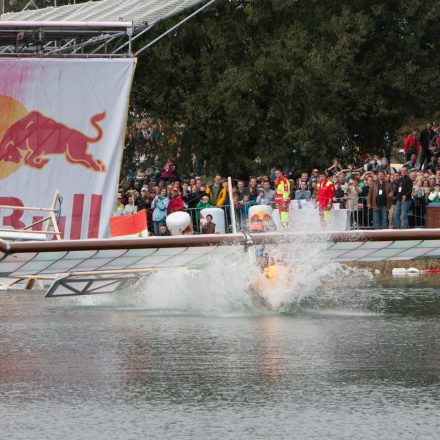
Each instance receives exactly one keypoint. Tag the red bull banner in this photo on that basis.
(62, 127)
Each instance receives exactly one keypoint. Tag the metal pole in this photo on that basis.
(174, 27)
(133, 38)
(109, 40)
(130, 35)
(231, 206)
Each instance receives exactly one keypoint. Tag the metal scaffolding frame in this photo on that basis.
(69, 31)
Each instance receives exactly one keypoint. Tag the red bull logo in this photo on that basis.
(260, 216)
(259, 221)
(30, 138)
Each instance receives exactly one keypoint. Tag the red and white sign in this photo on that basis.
(62, 127)
(128, 224)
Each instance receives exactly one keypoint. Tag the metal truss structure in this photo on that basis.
(104, 28)
(91, 283)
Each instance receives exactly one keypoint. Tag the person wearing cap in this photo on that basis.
(175, 202)
(262, 199)
(142, 201)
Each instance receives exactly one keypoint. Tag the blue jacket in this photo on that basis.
(160, 205)
(244, 208)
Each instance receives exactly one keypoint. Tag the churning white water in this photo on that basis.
(222, 285)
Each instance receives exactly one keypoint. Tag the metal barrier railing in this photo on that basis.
(360, 217)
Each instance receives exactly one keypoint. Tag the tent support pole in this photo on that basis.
(231, 206)
(176, 26)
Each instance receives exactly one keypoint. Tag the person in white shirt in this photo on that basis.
(130, 207)
(434, 196)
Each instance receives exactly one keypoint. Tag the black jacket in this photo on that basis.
(195, 197)
(404, 184)
(142, 203)
(394, 189)
(425, 138)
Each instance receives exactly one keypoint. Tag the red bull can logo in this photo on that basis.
(260, 216)
(30, 138)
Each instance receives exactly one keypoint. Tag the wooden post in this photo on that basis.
(52, 215)
(30, 284)
(231, 206)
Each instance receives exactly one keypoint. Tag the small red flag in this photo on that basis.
(128, 224)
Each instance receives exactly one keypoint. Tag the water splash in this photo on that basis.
(222, 286)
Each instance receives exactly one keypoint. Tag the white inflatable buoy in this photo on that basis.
(179, 223)
(413, 270)
(399, 271)
(218, 217)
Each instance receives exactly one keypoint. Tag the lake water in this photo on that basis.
(357, 363)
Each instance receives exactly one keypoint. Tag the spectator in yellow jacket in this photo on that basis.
(216, 192)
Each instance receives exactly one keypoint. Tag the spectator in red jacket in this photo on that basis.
(412, 144)
(175, 203)
(325, 192)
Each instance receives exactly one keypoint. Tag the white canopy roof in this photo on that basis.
(140, 12)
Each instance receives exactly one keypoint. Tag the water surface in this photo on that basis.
(361, 363)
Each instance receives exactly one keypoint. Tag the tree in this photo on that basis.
(292, 81)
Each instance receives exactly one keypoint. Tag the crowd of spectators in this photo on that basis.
(376, 194)
(146, 141)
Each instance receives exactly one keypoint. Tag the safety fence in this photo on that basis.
(359, 216)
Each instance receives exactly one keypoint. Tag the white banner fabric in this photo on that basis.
(62, 127)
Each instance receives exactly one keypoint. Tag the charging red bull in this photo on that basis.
(34, 137)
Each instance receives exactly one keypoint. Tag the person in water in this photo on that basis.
(262, 262)
(275, 272)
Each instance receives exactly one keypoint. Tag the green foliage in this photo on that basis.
(292, 81)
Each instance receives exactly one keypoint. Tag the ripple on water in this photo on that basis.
(361, 363)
